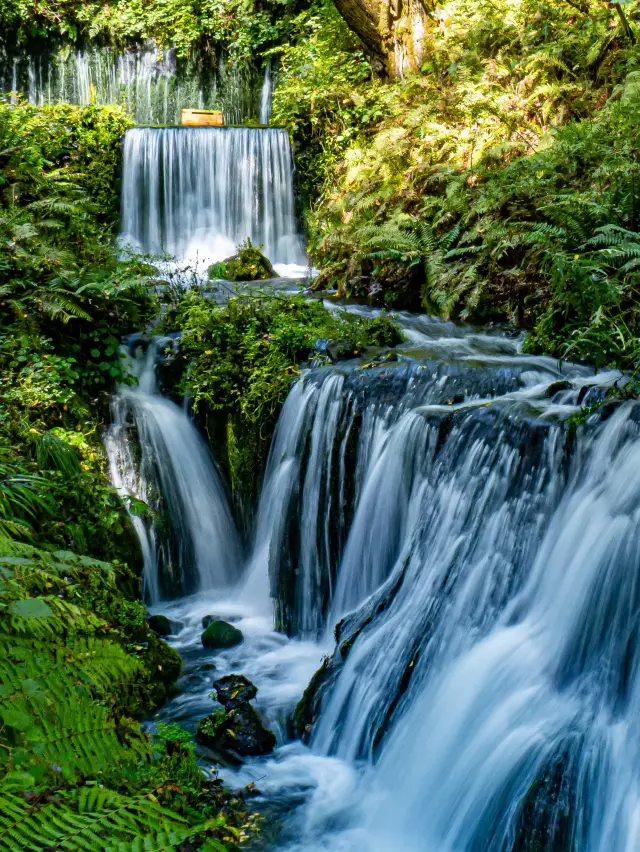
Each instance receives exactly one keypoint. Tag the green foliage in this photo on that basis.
(75, 772)
(325, 94)
(247, 264)
(243, 356)
(217, 270)
(243, 27)
(65, 303)
(501, 182)
(238, 362)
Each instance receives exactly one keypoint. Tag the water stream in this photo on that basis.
(158, 458)
(484, 561)
(465, 563)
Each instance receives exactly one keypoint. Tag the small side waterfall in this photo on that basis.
(152, 85)
(265, 96)
(189, 542)
(196, 193)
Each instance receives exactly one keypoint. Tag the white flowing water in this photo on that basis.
(485, 693)
(196, 193)
(195, 545)
(153, 85)
(266, 96)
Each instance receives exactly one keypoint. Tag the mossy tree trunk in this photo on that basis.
(392, 30)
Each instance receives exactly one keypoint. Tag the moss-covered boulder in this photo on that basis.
(221, 634)
(233, 690)
(237, 731)
(248, 264)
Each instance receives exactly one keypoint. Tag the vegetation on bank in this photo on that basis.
(242, 28)
(80, 664)
(500, 182)
(238, 361)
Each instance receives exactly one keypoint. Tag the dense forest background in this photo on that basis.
(475, 159)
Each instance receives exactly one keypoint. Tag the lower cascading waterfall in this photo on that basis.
(482, 562)
(517, 727)
(161, 465)
(196, 193)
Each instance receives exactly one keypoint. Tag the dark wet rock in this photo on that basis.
(209, 619)
(163, 626)
(221, 634)
(590, 395)
(237, 730)
(556, 387)
(346, 632)
(233, 690)
(341, 350)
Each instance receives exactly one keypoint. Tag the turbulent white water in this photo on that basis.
(153, 85)
(485, 693)
(190, 543)
(196, 193)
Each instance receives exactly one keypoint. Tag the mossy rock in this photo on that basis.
(162, 667)
(233, 690)
(248, 264)
(221, 634)
(163, 626)
(237, 731)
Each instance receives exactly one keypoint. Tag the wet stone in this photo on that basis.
(233, 690)
(236, 731)
(163, 626)
(221, 634)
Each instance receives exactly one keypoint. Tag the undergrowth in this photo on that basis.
(499, 183)
(238, 361)
(76, 772)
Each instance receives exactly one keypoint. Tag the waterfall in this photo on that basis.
(265, 96)
(196, 193)
(350, 457)
(189, 542)
(152, 84)
(511, 642)
(483, 562)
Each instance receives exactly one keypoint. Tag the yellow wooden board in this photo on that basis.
(201, 118)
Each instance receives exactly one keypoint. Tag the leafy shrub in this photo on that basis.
(499, 183)
(75, 771)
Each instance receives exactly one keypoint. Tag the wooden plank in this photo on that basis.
(201, 118)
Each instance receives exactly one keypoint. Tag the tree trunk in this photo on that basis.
(393, 31)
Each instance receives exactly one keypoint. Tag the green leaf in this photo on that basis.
(31, 608)
(18, 781)
(15, 718)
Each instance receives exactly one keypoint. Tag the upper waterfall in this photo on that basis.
(266, 94)
(196, 193)
(152, 84)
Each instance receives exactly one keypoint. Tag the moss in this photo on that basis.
(221, 634)
(162, 667)
(307, 708)
(248, 264)
(237, 363)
